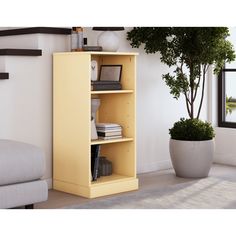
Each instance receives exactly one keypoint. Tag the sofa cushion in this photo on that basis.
(20, 162)
(23, 194)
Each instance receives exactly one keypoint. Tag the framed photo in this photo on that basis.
(110, 73)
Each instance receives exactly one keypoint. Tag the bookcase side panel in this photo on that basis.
(71, 118)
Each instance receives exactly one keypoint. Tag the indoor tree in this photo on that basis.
(190, 51)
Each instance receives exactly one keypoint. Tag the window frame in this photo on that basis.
(221, 100)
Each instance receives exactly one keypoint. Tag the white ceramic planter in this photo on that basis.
(191, 159)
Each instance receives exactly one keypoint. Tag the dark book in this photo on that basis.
(99, 87)
(92, 48)
(104, 82)
(110, 137)
(108, 134)
(95, 152)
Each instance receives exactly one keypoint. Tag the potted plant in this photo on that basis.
(189, 51)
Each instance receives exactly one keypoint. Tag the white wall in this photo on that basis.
(156, 109)
(225, 151)
(26, 98)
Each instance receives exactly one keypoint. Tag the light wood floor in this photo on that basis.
(156, 179)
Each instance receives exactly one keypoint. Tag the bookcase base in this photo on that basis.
(97, 191)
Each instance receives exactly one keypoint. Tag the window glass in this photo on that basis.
(230, 96)
(231, 65)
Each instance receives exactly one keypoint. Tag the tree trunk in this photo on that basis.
(191, 93)
(203, 88)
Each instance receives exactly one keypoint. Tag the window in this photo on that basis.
(227, 96)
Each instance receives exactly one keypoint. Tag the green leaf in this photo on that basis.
(194, 48)
(192, 130)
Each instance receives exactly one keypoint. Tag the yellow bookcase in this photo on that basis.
(72, 124)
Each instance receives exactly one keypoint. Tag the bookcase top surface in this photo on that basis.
(98, 53)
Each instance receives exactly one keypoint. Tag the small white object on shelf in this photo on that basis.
(95, 103)
(94, 135)
(94, 70)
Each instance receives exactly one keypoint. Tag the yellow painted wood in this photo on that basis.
(99, 189)
(71, 119)
(119, 140)
(112, 188)
(80, 190)
(122, 157)
(72, 128)
(118, 108)
(99, 53)
(128, 68)
(112, 91)
(114, 178)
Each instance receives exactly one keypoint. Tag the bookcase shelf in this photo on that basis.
(112, 91)
(110, 179)
(72, 124)
(100, 141)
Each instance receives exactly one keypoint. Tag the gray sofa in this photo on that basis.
(21, 167)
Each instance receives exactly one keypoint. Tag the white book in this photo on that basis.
(108, 129)
(107, 125)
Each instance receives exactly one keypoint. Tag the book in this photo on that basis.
(99, 87)
(92, 48)
(108, 134)
(104, 82)
(108, 130)
(96, 163)
(95, 152)
(107, 125)
(110, 137)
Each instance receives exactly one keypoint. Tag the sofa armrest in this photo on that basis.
(20, 162)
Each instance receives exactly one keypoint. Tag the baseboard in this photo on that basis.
(224, 159)
(49, 182)
(155, 166)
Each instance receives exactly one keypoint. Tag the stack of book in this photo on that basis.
(105, 85)
(108, 131)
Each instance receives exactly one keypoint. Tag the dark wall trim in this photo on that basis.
(221, 100)
(4, 75)
(229, 69)
(20, 52)
(35, 30)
